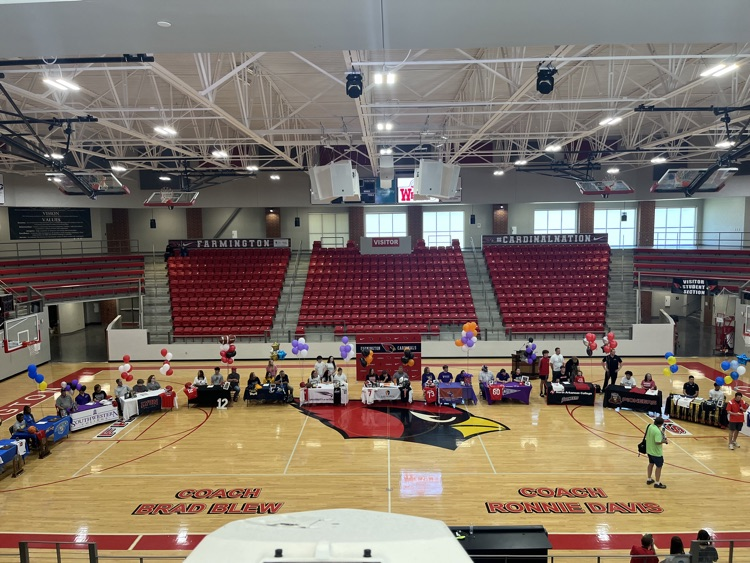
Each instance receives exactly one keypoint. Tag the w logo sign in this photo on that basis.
(406, 194)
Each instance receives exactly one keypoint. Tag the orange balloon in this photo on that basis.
(458, 342)
(466, 327)
(411, 363)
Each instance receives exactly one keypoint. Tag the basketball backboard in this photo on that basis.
(677, 180)
(604, 187)
(21, 332)
(170, 198)
(101, 183)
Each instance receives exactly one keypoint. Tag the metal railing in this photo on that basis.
(481, 276)
(291, 286)
(34, 249)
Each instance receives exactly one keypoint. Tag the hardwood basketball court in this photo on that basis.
(270, 458)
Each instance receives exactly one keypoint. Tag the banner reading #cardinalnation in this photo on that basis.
(545, 239)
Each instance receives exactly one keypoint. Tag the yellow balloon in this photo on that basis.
(666, 372)
(42, 385)
(672, 360)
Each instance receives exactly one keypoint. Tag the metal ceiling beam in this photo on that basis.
(236, 70)
(194, 95)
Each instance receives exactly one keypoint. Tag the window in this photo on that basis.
(385, 225)
(331, 229)
(555, 221)
(439, 228)
(621, 233)
(675, 226)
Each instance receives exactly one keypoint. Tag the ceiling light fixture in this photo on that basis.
(498, 173)
(387, 78)
(719, 70)
(275, 177)
(118, 168)
(545, 81)
(553, 148)
(521, 162)
(165, 131)
(613, 170)
(725, 70)
(610, 121)
(658, 160)
(251, 168)
(68, 84)
(384, 125)
(165, 178)
(60, 84)
(725, 144)
(164, 23)
(54, 156)
(385, 151)
(354, 85)
(220, 154)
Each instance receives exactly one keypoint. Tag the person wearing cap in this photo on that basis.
(736, 409)
(486, 376)
(445, 376)
(65, 403)
(644, 553)
(716, 395)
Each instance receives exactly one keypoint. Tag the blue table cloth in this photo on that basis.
(453, 393)
(8, 451)
(55, 427)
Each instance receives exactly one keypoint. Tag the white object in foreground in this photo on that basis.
(340, 535)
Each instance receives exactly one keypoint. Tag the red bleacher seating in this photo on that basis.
(541, 288)
(361, 293)
(657, 266)
(217, 292)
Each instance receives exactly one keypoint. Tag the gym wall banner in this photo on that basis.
(684, 286)
(49, 222)
(388, 349)
(544, 239)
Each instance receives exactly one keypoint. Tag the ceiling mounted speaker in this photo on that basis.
(333, 181)
(436, 179)
(387, 172)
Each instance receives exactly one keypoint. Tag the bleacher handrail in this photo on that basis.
(32, 249)
(481, 279)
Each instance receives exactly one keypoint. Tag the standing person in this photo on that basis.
(121, 393)
(320, 366)
(612, 364)
(644, 553)
(557, 362)
(271, 368)
(707, 552)
(445, 376)
(736, 409)
(571, 369)
(543, 372)
(331, 365)
(654, 440)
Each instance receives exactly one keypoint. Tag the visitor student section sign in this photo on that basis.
(29, 223)
(545, 239)
(696, 286)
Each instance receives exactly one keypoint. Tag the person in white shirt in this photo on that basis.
(331, 365)
(121, 391)
(628, 380)
(340, 377)
(716, 395)
(314, 379)
(217, 378)
(557, 362)
(320, 366)
(200, 379)
(486, 376)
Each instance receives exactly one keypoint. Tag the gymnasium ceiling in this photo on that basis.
(224, 78)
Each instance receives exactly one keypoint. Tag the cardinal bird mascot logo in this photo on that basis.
(442, 427)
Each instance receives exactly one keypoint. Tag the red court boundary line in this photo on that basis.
(174, 542)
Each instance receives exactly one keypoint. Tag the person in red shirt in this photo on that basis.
(644, 553)
(736, 413)
(543, 372)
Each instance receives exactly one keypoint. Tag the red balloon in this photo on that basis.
(591, 337)
(593, 345)
(606, 349)
(170, 371)
(302, 384)
(610, 336)
(126, 359)
(232, 348)
(224, 360)
(222, 354)
(613, 344)
(230, 360)
(163, 351)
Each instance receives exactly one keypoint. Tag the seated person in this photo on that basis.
(140, 387)
(445, 376)
(234, 383)
(122, 392)
(200, 379)
(217, 378)
(28, 418)
(314, 379)
(399, 374)
(385, 377)
(648, 382)
(579, 377)
(282, 379)
(340, 378)
(503, 376)
(152, 384)
(99, 394)
(517, 375)
(19, 425)
(427, 375)
(327, 376)
(715, 395)
(372, 375)
(83, 397)
(253, 381)
(644, 553)
(461, 377)
(628, 380)
(690, 389)
(65, 403)
(486, 376)
(269, 377)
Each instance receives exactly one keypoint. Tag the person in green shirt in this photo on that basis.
(654, 440)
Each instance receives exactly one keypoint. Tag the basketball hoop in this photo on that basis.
(34, 349)
(167, 196)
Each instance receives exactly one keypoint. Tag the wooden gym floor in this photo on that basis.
(99, 489)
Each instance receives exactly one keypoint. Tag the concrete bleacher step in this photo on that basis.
(621, 300)
(482, 292)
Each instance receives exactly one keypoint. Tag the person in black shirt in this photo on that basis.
(690, 389)
(571, 369)
(612, 364)
(234, 383)
(98, 394)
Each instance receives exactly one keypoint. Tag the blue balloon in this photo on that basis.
(668, 355)
(719, 380)
(673, 368)
(734, 375)
(281, 354)
(39, 378)
(725, 365)
(32, 369)
(31, 375)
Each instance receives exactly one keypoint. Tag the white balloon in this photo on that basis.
(301, 340)
(163, 369)
(169, 356)
(122, 369)
(463, 333)
(465, 348)
(303, 353)
(351, 355)
(225, 347)
(741, 370)
(127, 367)
(605, 339)
(474, 339)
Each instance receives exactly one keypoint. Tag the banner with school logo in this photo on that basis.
(684, 286)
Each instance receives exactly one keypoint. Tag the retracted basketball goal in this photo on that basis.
(23, 332)
(171, 199)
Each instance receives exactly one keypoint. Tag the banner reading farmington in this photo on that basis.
(211, 243)
(544, 239)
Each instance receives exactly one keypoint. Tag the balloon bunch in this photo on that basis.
(468, 336)
(408, 358)
(608, 342)
(73, 386)
(276, 352)
(530, 352)
(672, 361)
(227, 349)
(125, 368)
(737, 370)
(346, 350)
(367, 359)
(300, 347)
(590, 343)
(166, 369)
(37, 377)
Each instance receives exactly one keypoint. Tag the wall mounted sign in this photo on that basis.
(28, 223)
(684, 286)
(544, 239)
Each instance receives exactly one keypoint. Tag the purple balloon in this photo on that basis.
(533, 357)
(469, 334)
(295, 351)
(74, 383)
(533, 346)
(78, 387)
(347, 348)
(341, 348)
(528, 349)
(345, 340)
(470, 343)
(529, 361)
(295, 343)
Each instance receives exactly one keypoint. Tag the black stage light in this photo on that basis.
(153, 223)
(354, 85)
(545, 81)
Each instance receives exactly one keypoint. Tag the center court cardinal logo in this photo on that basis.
(442, 427)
